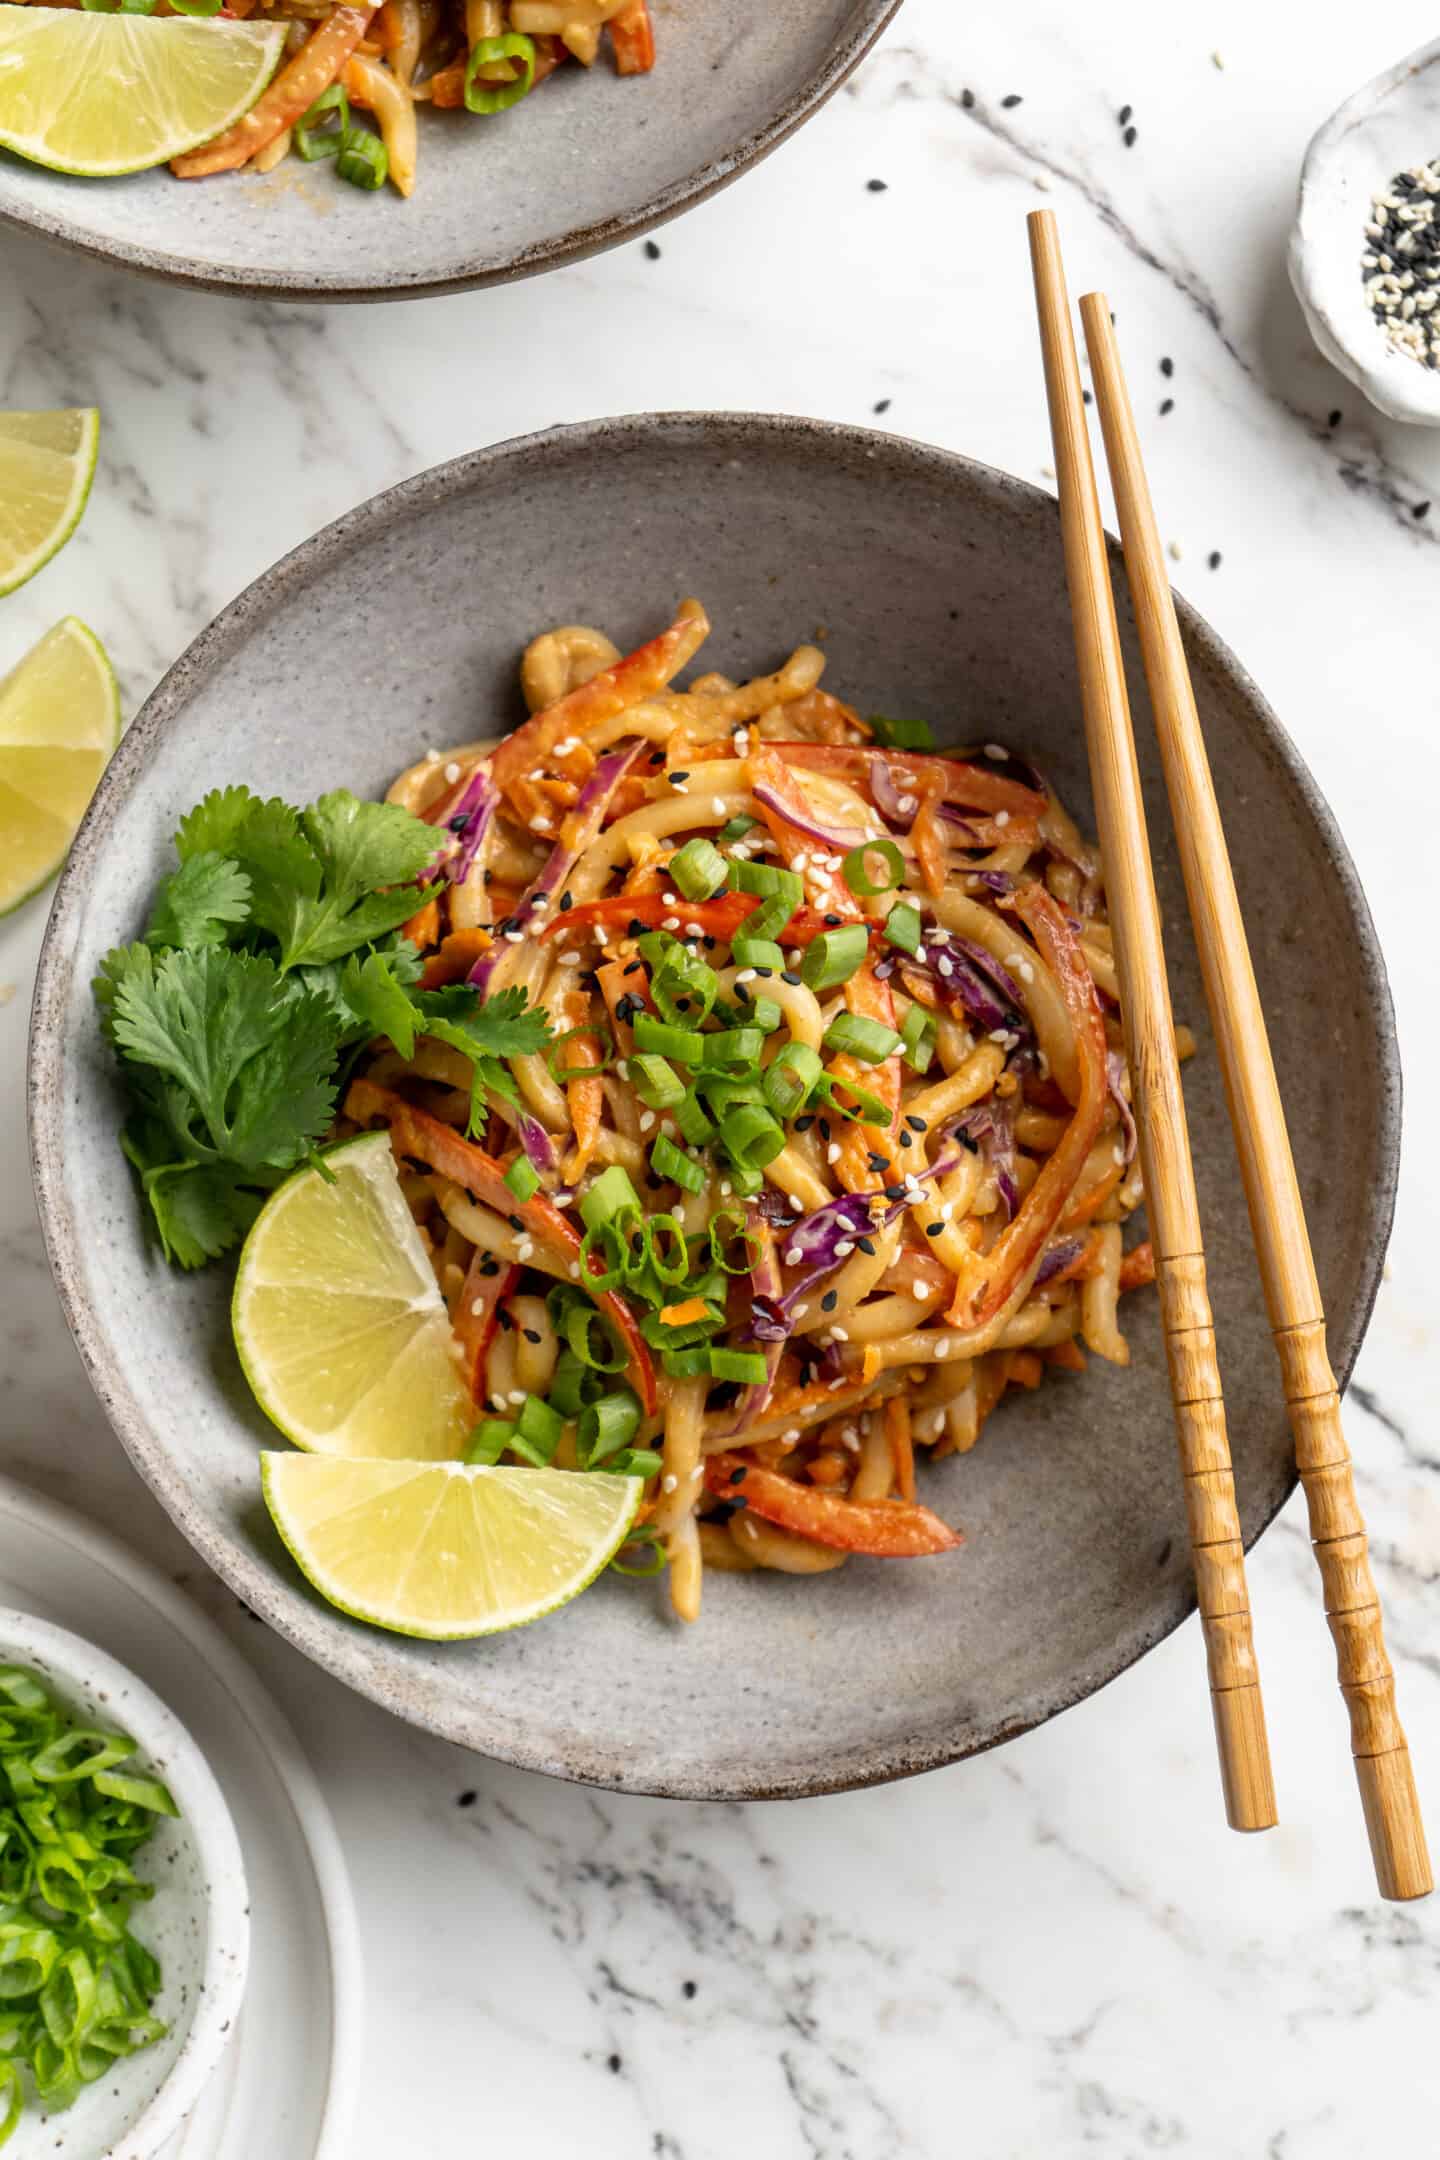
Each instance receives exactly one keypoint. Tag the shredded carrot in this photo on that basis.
(1067, 1356)
(423, 927)
(288, 99)
(902, 1450)
(1138, 1267)
(455, 958)
(870, 1000)
(585, 1098)
(681, 1315)
(1024, 1369)
(633, 37)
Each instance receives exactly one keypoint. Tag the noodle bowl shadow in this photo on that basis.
(940, 587)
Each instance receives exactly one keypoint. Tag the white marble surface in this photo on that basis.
(1059, 1948)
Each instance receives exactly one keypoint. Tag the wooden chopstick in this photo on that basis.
(1216, 1545)
(1277, 1215)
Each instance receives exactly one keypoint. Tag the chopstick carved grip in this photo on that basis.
(1170, 1197)
(1272, 1192)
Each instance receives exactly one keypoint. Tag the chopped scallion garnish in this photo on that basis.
(790, 1079)
(493, 97)
(698, 869)
(362, 159)
(668, 1161)
(834, 956)
(858, 1037)
(522, 1179)
(902, 734)
(917, 1038)
(859, 874)
(902, 927)
(753, 1136)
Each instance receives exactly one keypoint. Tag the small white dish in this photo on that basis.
(1390, 126)
(197, 1924)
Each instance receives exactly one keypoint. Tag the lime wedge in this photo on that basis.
(339, 1321)
(59, 720)
(47, 461)
(446, 1549)
(97, 94)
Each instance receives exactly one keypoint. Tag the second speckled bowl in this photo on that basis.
(942, 592)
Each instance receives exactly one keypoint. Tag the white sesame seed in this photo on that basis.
(832, 1153)
(717, 804)
(908, 805)
(790, 1435)
(574, 1271)
(745, 975)
(794, 1256)
(477, 1306)
(942, 1349)
(839, 1334)
(669, 1482)
(647, 1119)
(452, 772)
(432, 756)
(516, 1397)
(844, 1247)
(796, 1202)
(671, 922)
(525, 1248)
(726, 1188)
(670, 899)
(1002, 817)
(997, 751)
(946, 967)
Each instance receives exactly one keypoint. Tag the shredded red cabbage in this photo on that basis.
(971, 980)
(839, 838)
(765, 1288)
(990, 1127)
(813, 1244)
(1057, 1258)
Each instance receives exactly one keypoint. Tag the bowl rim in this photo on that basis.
(275, 282)
(307, 1626)
(73, 1660)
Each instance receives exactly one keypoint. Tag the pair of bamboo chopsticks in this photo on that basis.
(1277, 1218)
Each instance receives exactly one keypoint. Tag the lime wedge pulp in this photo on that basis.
(47, 461)
(446, 1550)
(99, 94)
(338, 1318)
(59, 720)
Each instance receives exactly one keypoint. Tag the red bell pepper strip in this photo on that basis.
(1008, 1267)
(288, 98)
(633, 36)
(890, 1529)
(613, 691)
(787, 826)
(414, 1132)
(953, 780)
(716, 918)
(477, 1316)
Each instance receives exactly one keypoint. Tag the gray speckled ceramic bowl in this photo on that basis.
(941, 588)
(197, 1923)
(591, 160)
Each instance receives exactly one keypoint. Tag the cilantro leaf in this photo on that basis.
(504, 1026)
(255, 1065)
(200, 903)
(202, 1209)
(364, 997)
(364, 845)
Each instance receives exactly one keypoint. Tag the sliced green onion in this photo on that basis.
(657, 1084)
(667, 1161)
(745, 1365)
(669, 1254)
(363, 159)
(698, 869)
(737, 827)
(834, 956)
(589, 1335)
(869, 1040)
(863, 1103)
(489, 1441)
(635, 1462)
(604, 1055)
(687, 1364)
(765, 1014)
(721, 1095)
(790, 1079)
(605, 1241)
(646, 1535)
(181, 7)
(917, 1038)
(572, 1386)
(902, 927)
(766, 880)
(537, 1431)
(721, 1241)
(79, 1753)
(522, 1178)
(756, 952)
(745, 1181)
(857, 873)
(606, 1425)
(487, 97)
(769, 920)
(669, 1335)
(734, 1049)
(683, 1045)
(142, 1792)
(611, 1195)
(902, 734)
(752, 1136)
(690, 1116)
(313, 137)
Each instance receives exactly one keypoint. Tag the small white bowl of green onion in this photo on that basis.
(124, 1917)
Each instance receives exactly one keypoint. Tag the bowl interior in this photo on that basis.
(195, 1924)
(589, 159)
(938, 589)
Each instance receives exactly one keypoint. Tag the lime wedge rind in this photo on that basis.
(27, 451)
(608, 1505)
(187, 80)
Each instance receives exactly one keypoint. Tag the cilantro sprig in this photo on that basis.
(270, 954)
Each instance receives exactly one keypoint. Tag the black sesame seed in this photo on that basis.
(677, 778)
(824, 1124)
(515, 1221)
(866, 1245)
(466, 1798)
(709, 943)
(1421, 510)
(878, 1163)
(1167, 367)
(633, 967)
(615, 2062)
(803, 1124)
(738, 1477)
(657, 757)
(1124, 115)
(652, 251)
(830, 1300)
(933, 1229)
(636, 928)
(1167, 405)
(877, 187)
(967, 99)
(788, 975)
(1014, 99)
(766, 972)
(567, 901)
(1129, 138)
(894, 1192)
(905, 1140)
(743, 994)
(506, 1323)
(916, 1124)
(1214, 558)
(688, 1990)
(881, 405)
(489, 1265)
(532, 1334)
(831, 922)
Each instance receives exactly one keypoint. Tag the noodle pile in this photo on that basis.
(479, 56)
(943, 1219)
